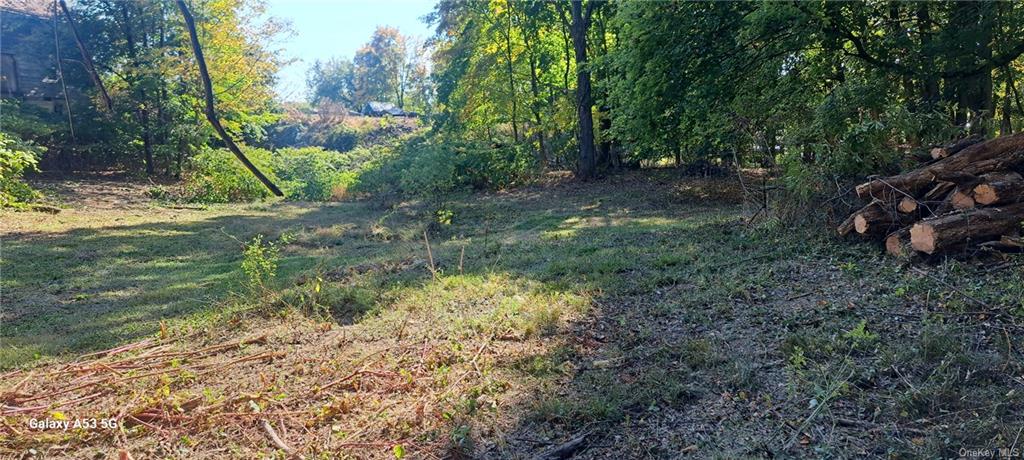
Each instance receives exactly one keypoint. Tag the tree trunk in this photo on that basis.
(147, 137)
(584, 102)
(87, 59)
(511, 73)
(976, 225)
(141, 110)
(930, 82)
(542, 153)
(211, 114)
(1006, 126)
(974, 93)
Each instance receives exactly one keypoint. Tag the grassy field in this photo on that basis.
(640, 314)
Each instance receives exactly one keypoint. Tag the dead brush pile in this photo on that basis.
(298, 386)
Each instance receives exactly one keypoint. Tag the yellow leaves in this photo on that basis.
(238, 52)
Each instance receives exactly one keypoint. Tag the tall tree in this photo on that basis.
(211, 114)
(584, 100)
(332, 80)
(378, 67)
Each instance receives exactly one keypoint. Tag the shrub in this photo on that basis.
(341, 138)
(433, 166)
(16, 157)
(259, 261)
(303, 174)
(312, 174)
(216, 176)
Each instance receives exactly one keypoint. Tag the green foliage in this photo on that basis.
(143, 57)
(341, 138)
(332, 80)
(859, 336)
(312, 174)
(27, 121)
(428, 166)
(216, 176)
(16, 158)
(259, 261)
(304, 174)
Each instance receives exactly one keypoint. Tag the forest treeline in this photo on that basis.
(818, 91)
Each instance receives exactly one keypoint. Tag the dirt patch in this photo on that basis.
(97, 193)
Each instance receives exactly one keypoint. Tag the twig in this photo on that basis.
(120, 349)
(954, 288)
(430, 255)
(566, 449)
(277, 439)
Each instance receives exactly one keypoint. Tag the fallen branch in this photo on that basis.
(278, 442)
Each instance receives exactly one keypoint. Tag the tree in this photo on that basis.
(584, 100)
(211, 113)
(332, 80)
(378, 67)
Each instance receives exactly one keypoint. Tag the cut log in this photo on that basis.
(907, 205)
(1001, 176)
(849, 224)
(846, 226)
(961, 199)
(876, 219)
(956, 147)
(975, 225)
(999, 188)
(997, 154)
(898, 243)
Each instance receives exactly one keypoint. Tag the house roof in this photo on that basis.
(43, 8)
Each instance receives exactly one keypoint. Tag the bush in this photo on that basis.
(432, 166)
(312, 174)
(422, 166)
(303, 174)
(216, 176)
(16, 157)
(341, 138)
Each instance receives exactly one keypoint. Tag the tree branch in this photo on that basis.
(211, 114)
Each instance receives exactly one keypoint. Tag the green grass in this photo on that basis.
(633, 304)
(84, 280)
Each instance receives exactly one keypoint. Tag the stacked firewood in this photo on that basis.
(969, 194)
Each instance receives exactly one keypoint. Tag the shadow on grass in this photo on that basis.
(688, 344)
(91, 288)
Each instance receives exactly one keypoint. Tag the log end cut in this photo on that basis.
(861, 224)
(985, 194)
(961, 200)
(922, 238)
(907, 205)
(894, 245)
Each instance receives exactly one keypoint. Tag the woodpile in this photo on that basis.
(971, 194)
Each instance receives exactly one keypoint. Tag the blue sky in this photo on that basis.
(326, 28)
